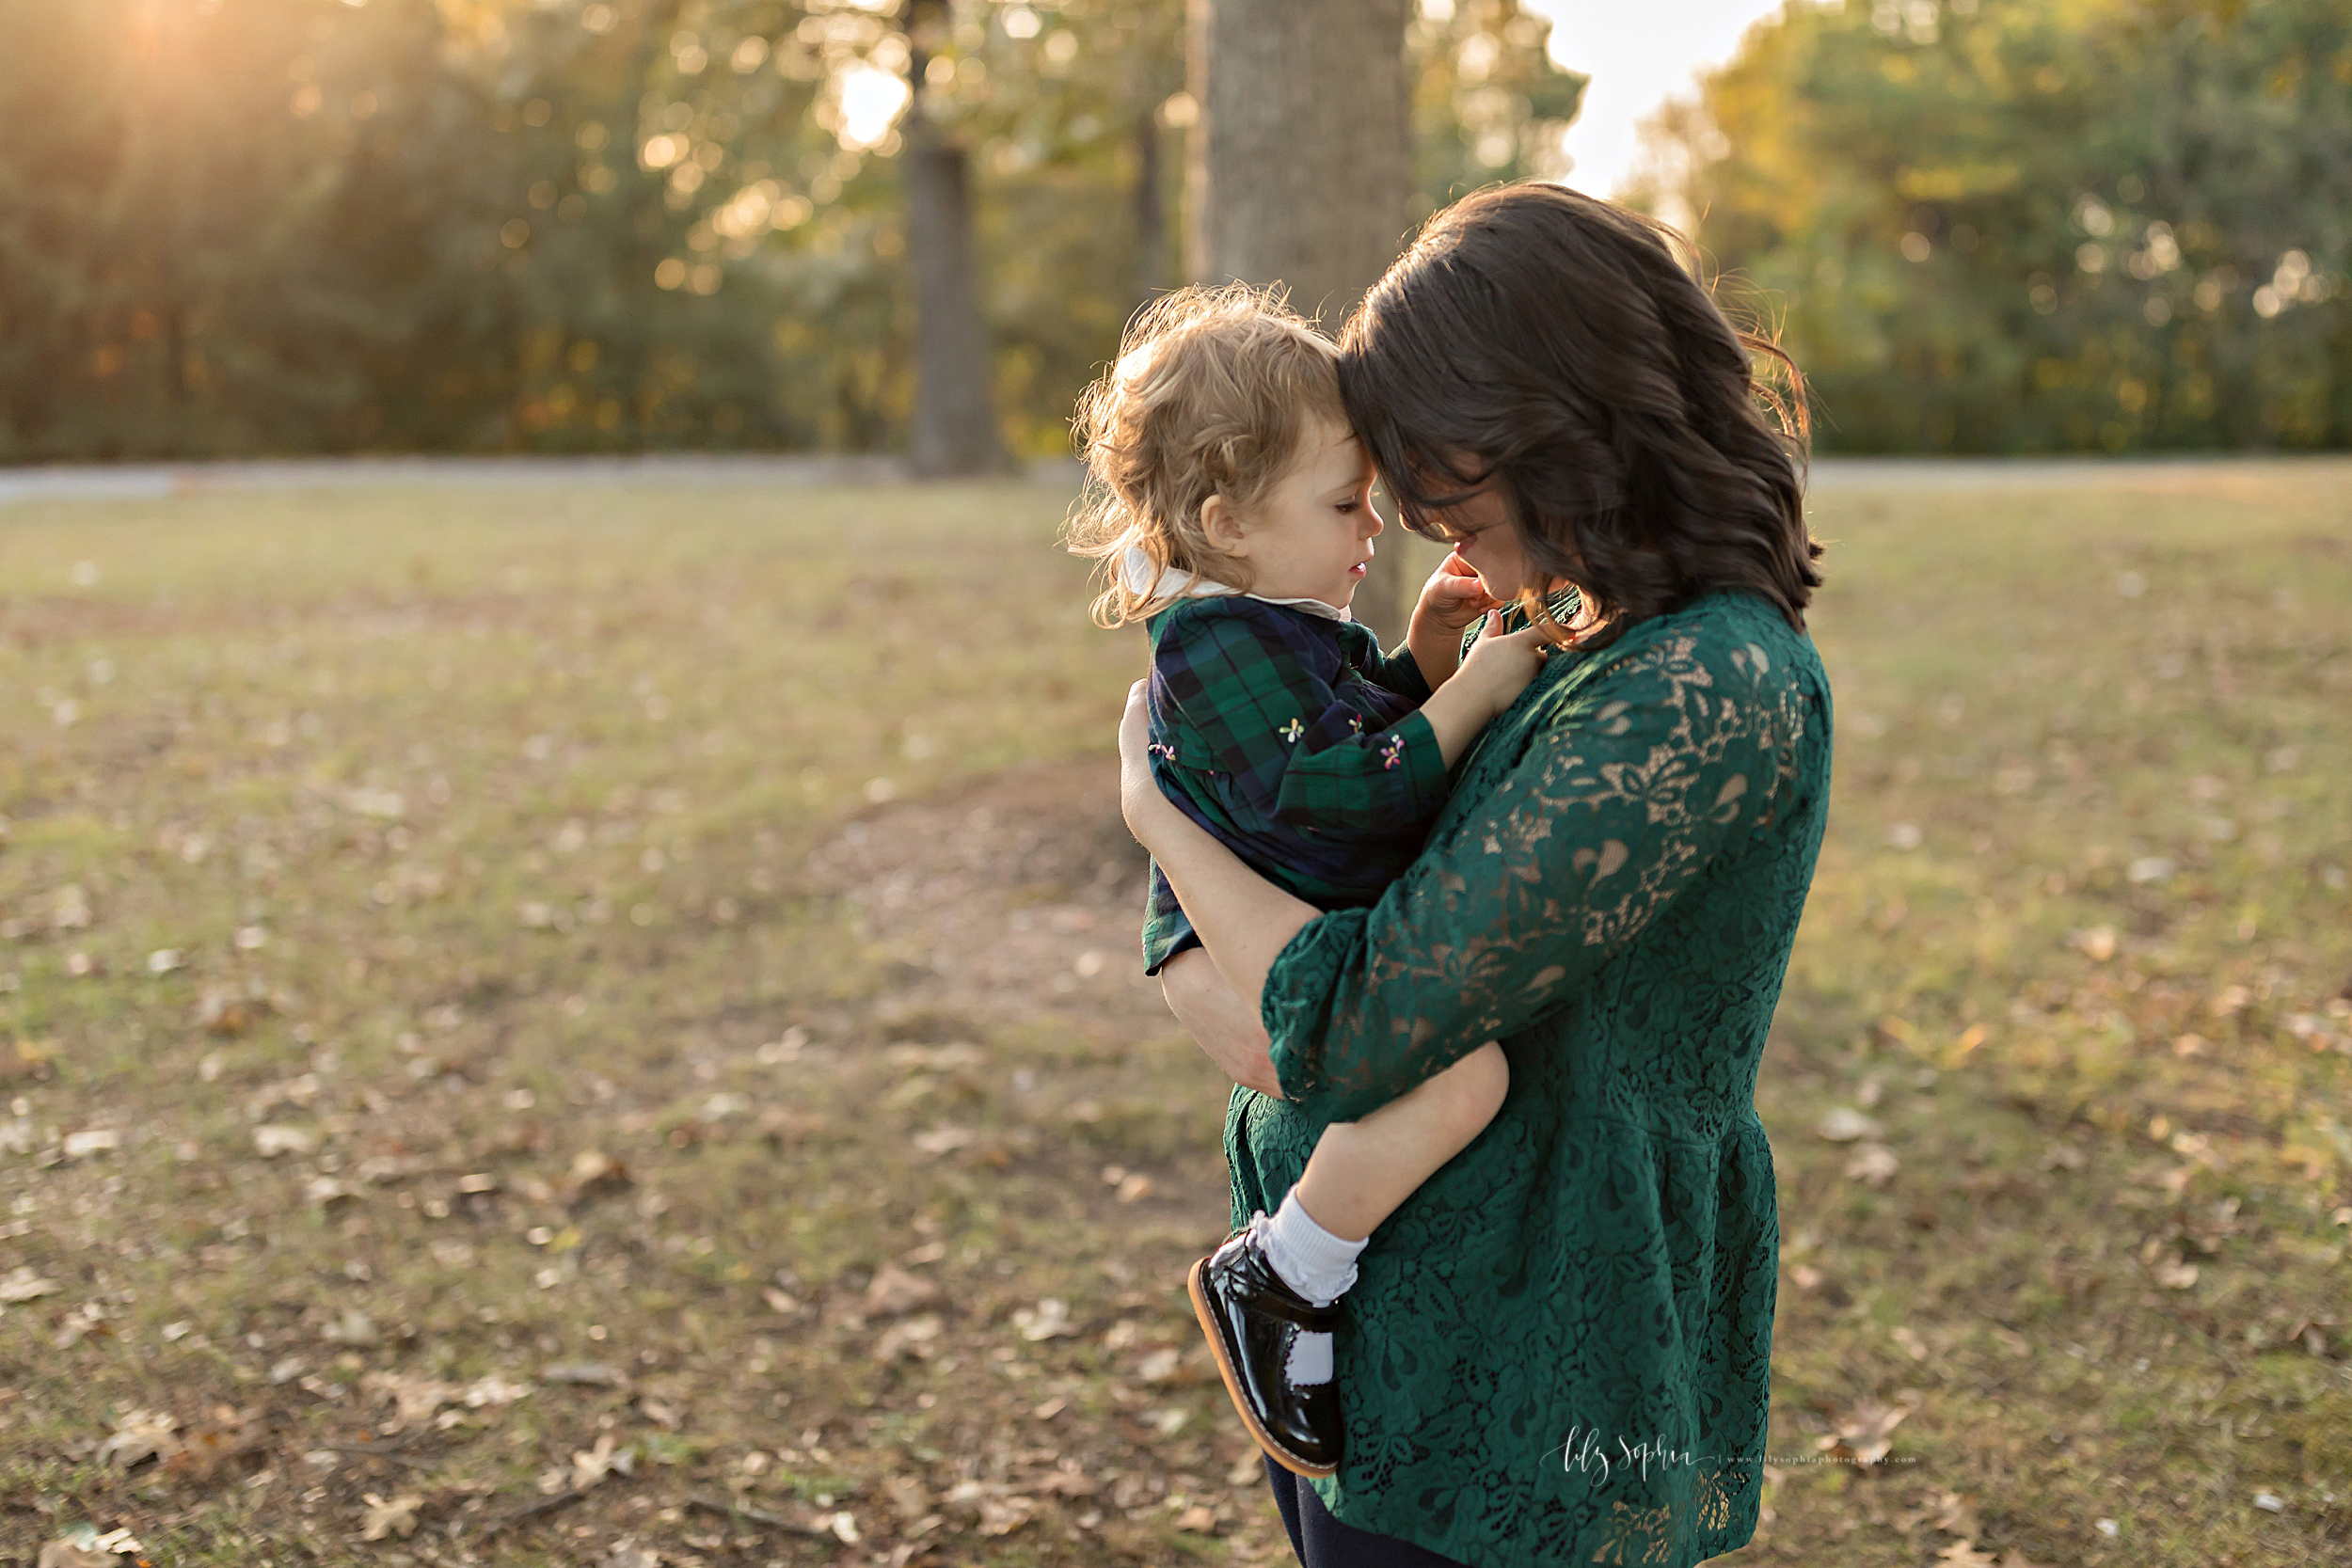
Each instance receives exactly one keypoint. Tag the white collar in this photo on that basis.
(1162, 583)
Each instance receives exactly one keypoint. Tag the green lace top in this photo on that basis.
(1558, 1351)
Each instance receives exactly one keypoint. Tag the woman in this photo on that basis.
(1559, 1349)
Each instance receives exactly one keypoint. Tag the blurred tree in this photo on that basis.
(955, 417)
(1488, 104)
(1302, 164)
(1298, 182)
(250, 226)
(2019, 226)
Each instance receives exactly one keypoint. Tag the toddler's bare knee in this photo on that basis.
(1473, 1088)
(1491, 1074)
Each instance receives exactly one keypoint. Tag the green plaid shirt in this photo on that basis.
(1297, 742)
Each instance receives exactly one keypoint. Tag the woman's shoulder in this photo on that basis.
(1734, 639)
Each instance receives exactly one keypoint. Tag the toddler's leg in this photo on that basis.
(1276, 1354)
(1362, 1171)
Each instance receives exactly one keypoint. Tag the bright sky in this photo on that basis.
(1638, 56)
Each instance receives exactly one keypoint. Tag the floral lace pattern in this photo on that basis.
(1558, 1351)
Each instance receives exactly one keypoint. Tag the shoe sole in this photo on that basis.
(1257, 1433)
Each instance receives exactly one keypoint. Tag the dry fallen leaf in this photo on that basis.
(210, 1444)
(910, 1338)
(1048, 1319)
(894, 1290)
(1863, 1435)
(1873, 1165)
(1199, 1517)
(23, 1284)
(594, 1173)
(1068, 1481)
(414, 1399)
(908, 1496)
(943, 1139)
(271, 1140)
(139, 1435)
(603, 1460)
(84, 1547)
(73, 1554)
(1963, 1554)
(2097, 943)
(1956, 1514)
(397, 1518)
(1002, 1515)
(1843, 1124)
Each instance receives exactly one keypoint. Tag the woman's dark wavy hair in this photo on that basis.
(1556, 343)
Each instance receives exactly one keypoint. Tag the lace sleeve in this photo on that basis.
(1666, 759)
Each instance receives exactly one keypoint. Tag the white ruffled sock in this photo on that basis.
(1316, 1265)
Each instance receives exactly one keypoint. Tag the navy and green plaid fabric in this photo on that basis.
(1297, 742)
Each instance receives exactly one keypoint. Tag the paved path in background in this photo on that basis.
(141, 481)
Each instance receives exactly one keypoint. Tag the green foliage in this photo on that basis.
(248, 226)
(1488, 104)
(2025, 226)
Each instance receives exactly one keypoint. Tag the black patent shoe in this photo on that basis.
(1252, 1318)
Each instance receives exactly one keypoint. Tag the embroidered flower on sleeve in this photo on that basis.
(1355, 725)
(1159, 751)
(1392, 752)
(1293, 730)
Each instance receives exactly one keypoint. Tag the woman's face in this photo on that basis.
(1485, 539)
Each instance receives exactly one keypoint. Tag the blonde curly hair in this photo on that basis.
(1212, 392)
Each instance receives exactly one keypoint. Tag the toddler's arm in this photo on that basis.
(1452, 601)
(1254, 699)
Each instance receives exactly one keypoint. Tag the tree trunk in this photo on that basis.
(1301, 171)
(955, 417)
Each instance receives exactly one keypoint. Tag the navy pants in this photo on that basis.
(1323, 1541)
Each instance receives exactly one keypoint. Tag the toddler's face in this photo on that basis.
(1312, 539)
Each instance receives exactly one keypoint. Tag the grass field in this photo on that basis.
(600, 1026)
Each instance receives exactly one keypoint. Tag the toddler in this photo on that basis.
(1233, 505)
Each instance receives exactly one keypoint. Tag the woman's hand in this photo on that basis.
(1139, 799)
(1230, 1033)
(1452, 598)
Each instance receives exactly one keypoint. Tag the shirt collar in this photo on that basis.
(1154, 582)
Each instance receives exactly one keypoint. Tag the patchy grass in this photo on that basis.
(679, 949)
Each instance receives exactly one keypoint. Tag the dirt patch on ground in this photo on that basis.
(1021, 895)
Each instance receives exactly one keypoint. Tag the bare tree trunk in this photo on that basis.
(955, 417)
(1301, 169)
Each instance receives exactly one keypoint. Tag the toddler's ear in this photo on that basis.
(1222, 527)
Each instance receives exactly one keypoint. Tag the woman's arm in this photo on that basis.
(1667, 761)
(1232, 1034)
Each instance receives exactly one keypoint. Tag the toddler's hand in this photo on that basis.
(1499, 664)
(1452, 598)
